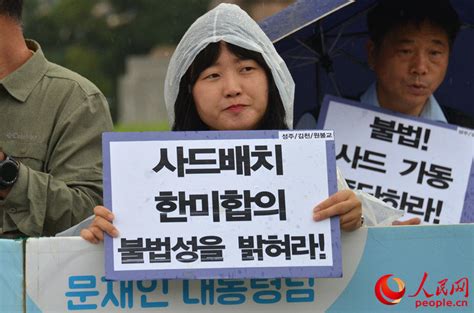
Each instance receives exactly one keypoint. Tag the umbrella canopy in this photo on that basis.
(324, 46)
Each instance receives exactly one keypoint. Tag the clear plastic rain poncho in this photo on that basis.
(229, 23)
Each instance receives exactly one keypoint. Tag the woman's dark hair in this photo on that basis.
(11, 8)
(186, 115)
(388, 15)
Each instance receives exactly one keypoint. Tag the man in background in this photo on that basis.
(409, 48)
(51, 121)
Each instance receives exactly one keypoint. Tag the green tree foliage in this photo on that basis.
(93, 37)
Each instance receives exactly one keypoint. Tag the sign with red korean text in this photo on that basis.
(220, 204)
(422, 167)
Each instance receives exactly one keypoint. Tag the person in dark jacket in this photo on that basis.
(409, 48)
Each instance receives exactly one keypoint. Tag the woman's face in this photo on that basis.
(231, 94)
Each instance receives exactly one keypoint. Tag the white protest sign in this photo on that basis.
(220, 204)
(419, 166)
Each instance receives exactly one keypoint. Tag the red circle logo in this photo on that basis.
(386, 295)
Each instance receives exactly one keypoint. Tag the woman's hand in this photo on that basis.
(411, 221)
(101, 223)
(343, 203)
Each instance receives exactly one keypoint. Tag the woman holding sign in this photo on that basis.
(226, 75)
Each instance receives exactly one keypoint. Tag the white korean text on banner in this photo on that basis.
(220, 204)
(418, 166)
(378, 277)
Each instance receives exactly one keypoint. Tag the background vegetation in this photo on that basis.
(93, 37)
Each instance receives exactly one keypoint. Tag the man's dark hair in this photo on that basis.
(388, 15)
(186, 115)
(11, 8)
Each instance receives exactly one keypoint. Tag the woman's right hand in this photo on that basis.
(101, 223)
(344, 204)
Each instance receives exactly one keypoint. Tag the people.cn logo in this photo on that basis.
(386, 295)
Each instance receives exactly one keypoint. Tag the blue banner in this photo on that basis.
(11, 276)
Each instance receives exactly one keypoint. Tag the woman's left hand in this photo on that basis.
(343, 203)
